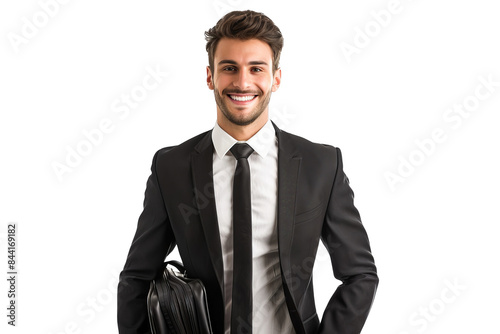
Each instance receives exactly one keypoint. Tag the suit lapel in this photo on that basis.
(288, 170)
(201, 162)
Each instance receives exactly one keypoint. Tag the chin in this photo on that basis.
(242, 120)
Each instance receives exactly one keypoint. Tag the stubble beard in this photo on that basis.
(242, 120)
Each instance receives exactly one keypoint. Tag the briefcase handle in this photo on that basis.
(179, 266)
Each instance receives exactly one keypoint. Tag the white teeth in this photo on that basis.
(242, 98)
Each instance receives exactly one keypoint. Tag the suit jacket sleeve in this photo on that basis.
(347, 242)
(153, 240)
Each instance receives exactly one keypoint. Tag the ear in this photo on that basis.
(210, 83)
(276, 80)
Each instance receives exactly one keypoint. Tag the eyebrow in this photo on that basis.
(232, 62)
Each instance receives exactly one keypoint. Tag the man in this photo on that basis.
(249, 226)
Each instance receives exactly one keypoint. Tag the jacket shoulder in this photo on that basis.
(182, 149)
(305, 146)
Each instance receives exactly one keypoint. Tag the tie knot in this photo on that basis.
(241, 150)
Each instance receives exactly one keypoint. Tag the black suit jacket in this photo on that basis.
(314, 202)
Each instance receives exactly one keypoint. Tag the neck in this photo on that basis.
(242, 132)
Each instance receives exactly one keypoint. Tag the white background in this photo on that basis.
(434, 228)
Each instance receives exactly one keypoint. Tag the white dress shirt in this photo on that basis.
(270, 313)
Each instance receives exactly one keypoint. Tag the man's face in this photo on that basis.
(242, 80)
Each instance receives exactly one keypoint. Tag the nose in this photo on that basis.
(242, 79)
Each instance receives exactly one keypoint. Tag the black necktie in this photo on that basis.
(241, 313)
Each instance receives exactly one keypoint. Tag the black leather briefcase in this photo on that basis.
(177, 304)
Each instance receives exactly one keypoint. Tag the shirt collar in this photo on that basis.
(261, 142)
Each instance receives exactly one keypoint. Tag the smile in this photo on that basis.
(242, 98)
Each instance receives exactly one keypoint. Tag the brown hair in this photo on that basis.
(245, 25)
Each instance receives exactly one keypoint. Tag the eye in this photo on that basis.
(257, 69)
(230, 68)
